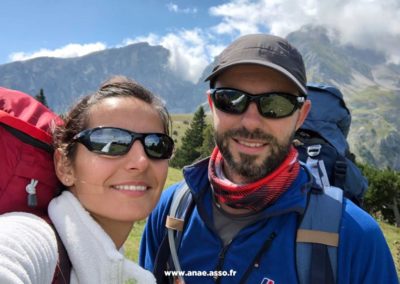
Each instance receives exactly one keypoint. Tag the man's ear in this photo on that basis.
(63, 168)
(210, 102)
(304, 110)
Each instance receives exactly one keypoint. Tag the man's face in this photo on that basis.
(252, 145)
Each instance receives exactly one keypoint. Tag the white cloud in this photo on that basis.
(172, 7)
(70, 50)
(363, 23)
(191, 51)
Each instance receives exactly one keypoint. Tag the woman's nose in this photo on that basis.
(137, 158)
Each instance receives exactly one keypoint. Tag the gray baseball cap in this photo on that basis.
(265, 50)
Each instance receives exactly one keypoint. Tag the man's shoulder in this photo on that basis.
(357, 215)
(364, 254)
(356, 221)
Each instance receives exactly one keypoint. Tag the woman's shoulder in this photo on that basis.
(27, 243)
(23, 225)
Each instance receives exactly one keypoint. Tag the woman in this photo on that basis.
(112, 157)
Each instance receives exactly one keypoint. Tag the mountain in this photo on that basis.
(370, 85)
(64, 80)
(371, 88)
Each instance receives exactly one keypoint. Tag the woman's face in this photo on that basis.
(123, 188)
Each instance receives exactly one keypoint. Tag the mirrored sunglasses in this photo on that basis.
(113, 141)
(270, 105)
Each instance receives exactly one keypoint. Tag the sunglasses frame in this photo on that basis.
(83, 137)
(297, 101)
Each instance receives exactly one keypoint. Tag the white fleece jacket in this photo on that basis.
(93, 254)
(28, 249)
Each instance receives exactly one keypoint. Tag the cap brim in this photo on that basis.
(261, 63)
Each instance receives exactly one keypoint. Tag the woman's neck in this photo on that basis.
(117, 230)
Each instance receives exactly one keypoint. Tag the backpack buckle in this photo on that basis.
(313, 150)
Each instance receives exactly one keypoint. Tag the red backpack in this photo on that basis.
(27, 178)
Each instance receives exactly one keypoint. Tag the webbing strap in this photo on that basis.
(339, 172)
(63, 269)
(174, 223)
(318, 237)
(322, 268)
(318, 170)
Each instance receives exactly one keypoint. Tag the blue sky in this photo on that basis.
(194, 31)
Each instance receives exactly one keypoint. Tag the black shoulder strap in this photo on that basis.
(339, 172)
(64, 266)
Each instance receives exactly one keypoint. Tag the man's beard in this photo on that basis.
(246, 166)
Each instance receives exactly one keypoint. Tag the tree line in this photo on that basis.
(382, 199)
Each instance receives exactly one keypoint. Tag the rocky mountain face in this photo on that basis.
(371, 88)
(64, 80)
(370, 85)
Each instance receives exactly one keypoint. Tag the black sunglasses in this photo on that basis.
(113, 141)
(270, 105)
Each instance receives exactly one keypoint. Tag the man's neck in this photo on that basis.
(234, 211)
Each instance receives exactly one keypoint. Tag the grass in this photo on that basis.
(392, 236)
(180, 122)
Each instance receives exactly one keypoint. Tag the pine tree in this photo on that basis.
(191, 141)
(208, 141)
(41, 98)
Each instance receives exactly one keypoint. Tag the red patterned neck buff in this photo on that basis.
(256, 195)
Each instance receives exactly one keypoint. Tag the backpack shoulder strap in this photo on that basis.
(63, 270)
(318, 237)
(167, 253)
(180, 205)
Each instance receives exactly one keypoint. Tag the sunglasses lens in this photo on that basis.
(276, 105)
(158, 146)
(230, 101)
(271, 105)
(110, 141)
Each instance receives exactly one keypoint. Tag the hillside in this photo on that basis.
(371, 88)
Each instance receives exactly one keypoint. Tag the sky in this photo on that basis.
(194, 31)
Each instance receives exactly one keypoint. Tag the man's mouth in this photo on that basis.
(250, 144)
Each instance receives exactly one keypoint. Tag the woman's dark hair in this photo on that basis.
(77, 119)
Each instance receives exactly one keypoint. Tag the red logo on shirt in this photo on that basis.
(267, 281)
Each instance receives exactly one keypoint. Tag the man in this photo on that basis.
(252, 191)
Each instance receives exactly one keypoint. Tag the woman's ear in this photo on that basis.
(63, 168)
